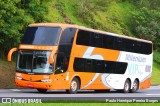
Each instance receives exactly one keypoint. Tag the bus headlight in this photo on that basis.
(19, 78)
(46, 80)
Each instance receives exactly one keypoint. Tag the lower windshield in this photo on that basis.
(34, 62)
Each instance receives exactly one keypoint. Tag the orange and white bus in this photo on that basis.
(54, 56)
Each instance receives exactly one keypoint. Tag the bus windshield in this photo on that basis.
(42, 35)
(34, 62)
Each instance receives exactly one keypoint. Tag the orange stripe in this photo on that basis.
(37, 47)
(145, 84)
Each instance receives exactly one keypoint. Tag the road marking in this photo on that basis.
(154, 94)
(15, 90)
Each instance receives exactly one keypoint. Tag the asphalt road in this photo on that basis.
(152, 93)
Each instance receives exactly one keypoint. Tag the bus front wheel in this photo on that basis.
(74, 86)
(42, 90)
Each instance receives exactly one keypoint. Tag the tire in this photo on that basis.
(127, 86)
(74, 86)
(135, 86)
(42, 90)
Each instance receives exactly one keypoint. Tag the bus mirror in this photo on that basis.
(9, 58)
(51, 57)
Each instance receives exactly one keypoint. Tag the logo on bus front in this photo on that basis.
(30, 78)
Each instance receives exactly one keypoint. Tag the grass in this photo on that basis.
(84, 104)
(156, 56)
(156, 68)
(7, 71)
(68, 9)
(116, 18)
(156, 74)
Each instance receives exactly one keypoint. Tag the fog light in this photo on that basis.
(46, 80)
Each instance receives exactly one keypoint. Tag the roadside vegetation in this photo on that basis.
(84, 104)
(137, 18)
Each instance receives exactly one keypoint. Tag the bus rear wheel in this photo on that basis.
(42, 90)
(74, 86)
(135, 86)
(127, 86)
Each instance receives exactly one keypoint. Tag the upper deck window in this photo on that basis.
(42, 35)
(106, 41)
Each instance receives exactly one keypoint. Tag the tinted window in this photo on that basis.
(88, 65)
(88, 38)
(96, 40)
(138, 47)
(79, 64)
(83, 38)
(41, 36)
(61, 63)
(66, 41)
(66, 49)
(146, 48)
(99, 66)
(118, 43)
(130, 45)
(110, 67)
(108, 41)
(120, 67)
(67, 36)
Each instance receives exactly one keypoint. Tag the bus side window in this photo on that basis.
(67, 36)
(66, 41)
(121, 67)
(146, 48)
(138, 47)
(130, 45)
(108, 41)
(98, 66)
(118, 43)
(110, 67)
(83, 38)
(88, 65)
(79, 64)
(96, 40)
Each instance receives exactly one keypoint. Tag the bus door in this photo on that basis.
(60, 71)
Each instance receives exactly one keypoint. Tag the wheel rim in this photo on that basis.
(135, 85)
(74, 85)
(126, 87)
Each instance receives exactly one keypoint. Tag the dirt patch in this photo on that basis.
(7, 74)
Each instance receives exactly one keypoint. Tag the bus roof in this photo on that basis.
(89, 29)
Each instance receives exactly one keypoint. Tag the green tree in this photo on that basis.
(146, 25)
(12, 21)
(15, 15)
(150, 4)
(37, 9)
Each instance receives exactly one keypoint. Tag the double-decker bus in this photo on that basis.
(54, 56)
